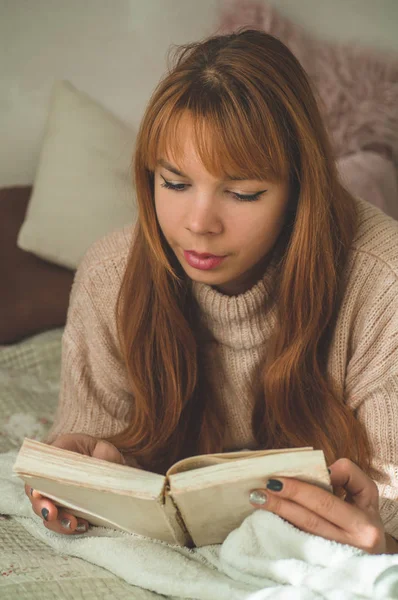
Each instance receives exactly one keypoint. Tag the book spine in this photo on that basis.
(175, 520)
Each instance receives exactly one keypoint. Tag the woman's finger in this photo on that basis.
(317, 511)
(55, 519)
(323, 505)
(301, 517)
(45, 509)
(107, 451)
(361, 489)
(67, 524)
(31, 493)
(80, 443)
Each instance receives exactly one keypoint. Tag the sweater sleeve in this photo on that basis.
(94, 392)
(372, 379)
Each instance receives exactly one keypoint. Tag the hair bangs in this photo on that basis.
(228, 145)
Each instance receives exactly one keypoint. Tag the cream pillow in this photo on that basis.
(83, 186)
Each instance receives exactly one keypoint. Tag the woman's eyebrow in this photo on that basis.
(170, 168)
(174, 170)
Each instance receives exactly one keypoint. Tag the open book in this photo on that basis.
(199, 501)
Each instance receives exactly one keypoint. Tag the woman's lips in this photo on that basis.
(203, 262)
(205, 254)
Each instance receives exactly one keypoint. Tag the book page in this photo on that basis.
(65, 466)
(142, 516)
(215, 500)
(104, 493)
(206, 460)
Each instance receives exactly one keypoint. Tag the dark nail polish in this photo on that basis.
(329, 471)
(31, 491)
(274, 485)
(44, 512)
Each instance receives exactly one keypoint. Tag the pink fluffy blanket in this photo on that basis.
(357, 90)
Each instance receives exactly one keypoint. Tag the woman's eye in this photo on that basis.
(248, 197)
(177, 187)
(180, 187)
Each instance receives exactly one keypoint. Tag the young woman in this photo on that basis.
(254, 306)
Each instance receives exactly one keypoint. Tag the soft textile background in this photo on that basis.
(116, 52)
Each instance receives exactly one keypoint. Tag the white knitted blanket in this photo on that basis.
(265, 555)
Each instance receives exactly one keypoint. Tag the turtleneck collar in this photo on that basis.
(244, 321)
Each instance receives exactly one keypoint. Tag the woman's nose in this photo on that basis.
(203, 216)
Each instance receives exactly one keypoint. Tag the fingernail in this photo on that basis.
(258, 497)
(329, 471)
(44, 512)
(31, 491)
(81, 527)
(65, 523)
(274, 485)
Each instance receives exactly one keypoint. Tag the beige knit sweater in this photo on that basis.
(363, 360)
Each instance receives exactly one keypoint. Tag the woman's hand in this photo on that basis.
(60, 520)
(355, 520)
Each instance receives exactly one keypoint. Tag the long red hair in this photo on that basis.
(255, 115)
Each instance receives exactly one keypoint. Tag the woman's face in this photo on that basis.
(234, 219)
